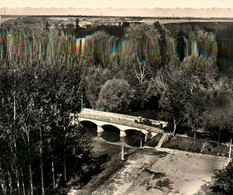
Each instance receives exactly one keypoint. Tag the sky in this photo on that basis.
(118, 3)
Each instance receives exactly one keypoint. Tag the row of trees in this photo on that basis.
(31, 44)
(40, 151)
(153, 44)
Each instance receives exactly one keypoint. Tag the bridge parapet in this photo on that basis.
(87, 112)
(128, 121)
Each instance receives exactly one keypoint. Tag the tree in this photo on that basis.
(141, 70)
(218, 120)
(176, 99)
(37, 100)
(146, 40)
(155, 90)
(100, 48)
(115, 96)
(181, 45)
(94, 80)
(195, 112)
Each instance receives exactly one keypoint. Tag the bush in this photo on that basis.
(223, 180)
(198, 146)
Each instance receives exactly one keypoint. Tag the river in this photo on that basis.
(112, 135)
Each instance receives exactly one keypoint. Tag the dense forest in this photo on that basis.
(45, 74)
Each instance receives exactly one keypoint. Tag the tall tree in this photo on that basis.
(176, 99)
(115, 96)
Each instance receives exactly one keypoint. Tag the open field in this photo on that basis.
(114, 20)
(2, 20)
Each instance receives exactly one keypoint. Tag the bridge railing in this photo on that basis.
(118, 120)
(121, 116)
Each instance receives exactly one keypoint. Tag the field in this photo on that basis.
(114, 20)
(5, 19)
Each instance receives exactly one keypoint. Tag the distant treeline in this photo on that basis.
(124, 17)
(223, 36)
(33, 45)
(151, 43)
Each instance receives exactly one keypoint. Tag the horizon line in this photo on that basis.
(115, 8)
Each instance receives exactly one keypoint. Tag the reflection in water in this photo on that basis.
(112, 134)
(90, 132)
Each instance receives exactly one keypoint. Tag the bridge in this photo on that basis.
(122, 122)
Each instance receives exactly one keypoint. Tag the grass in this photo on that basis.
(199, 146)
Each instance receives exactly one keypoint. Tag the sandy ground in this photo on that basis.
(177, 172)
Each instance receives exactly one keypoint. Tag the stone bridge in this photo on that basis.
(120, 121)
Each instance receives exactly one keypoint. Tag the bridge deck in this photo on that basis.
(119, 119)
(123, 116)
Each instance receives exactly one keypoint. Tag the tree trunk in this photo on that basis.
(174, 127)
(2, 181)
(41, 163)
(31, 179)
(64, 164)
(64, 158)
(17, 180)
(15, 145)
(219, 135)
(10, 182)
(29, 161)
(22, 179)
(53, 173)
(194, 134)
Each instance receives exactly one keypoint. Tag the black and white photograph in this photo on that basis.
(116, 97)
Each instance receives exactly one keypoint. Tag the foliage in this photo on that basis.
(199, 146)
(33, 44)
(176, 99)
(95, 79)
(155, 90)
(147, 38)
(223, 180)
(35, 127)
(218, 121)
(115, 96)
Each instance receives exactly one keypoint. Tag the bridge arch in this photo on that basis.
(113, 127)
(111, 133)
(88, 123)
(123, 127)
(134, 137)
